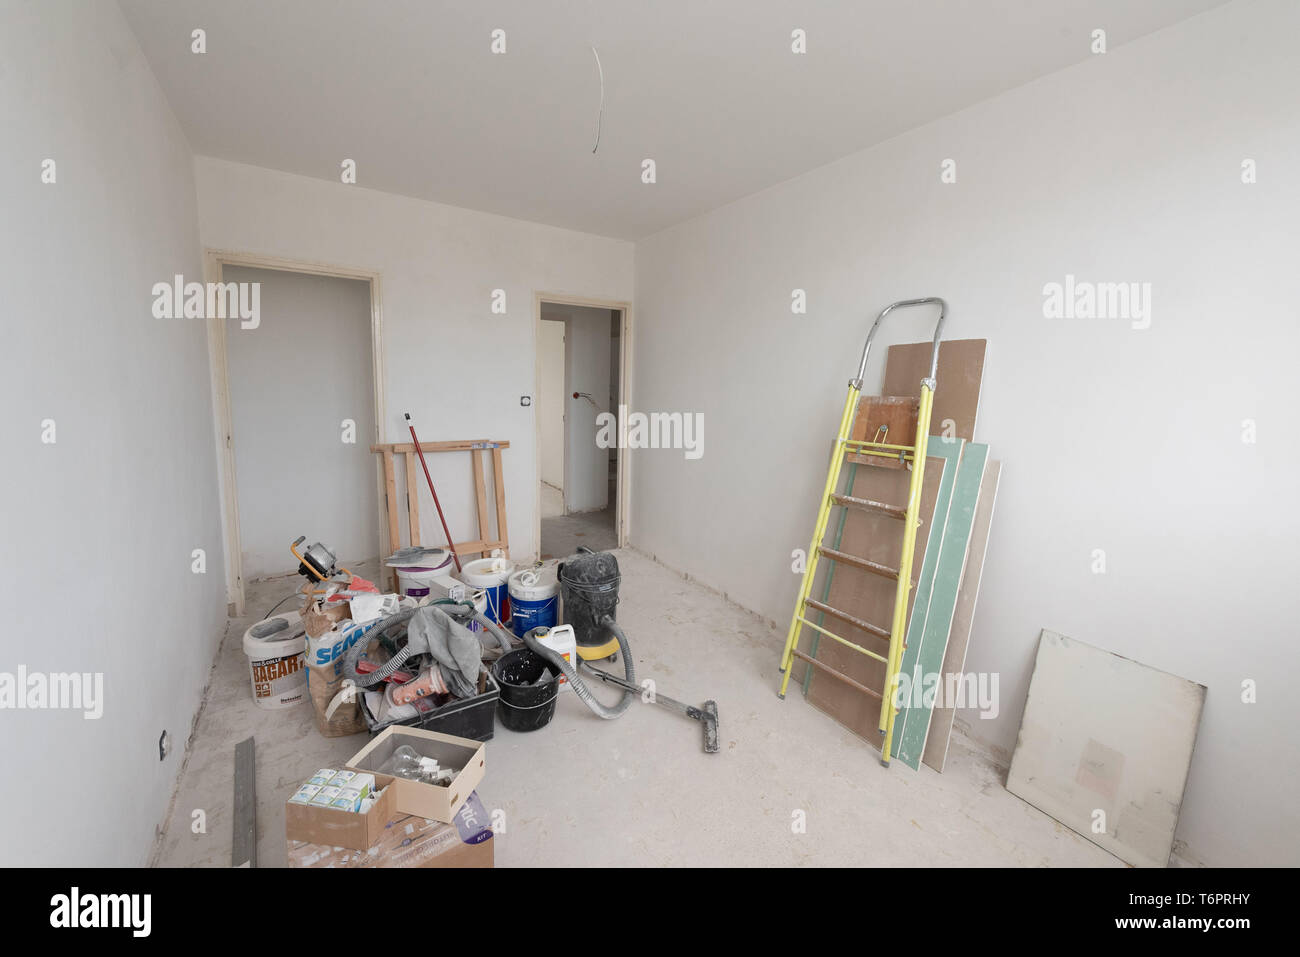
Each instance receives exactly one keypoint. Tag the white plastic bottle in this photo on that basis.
(562, 641)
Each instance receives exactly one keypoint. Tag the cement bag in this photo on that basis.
(325, 678)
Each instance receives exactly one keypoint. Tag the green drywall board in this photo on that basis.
(923, 657)
(953, 452)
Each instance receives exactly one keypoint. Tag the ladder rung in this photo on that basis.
(843, 641)
(884, 571)
(835, 674)
(853, 620)
(860, 444)
(848, 501)
(904, 456)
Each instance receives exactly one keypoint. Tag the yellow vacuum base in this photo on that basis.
(597, 652)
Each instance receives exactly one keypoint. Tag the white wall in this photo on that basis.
(1124, 168)
(457, 367)
(294, 379)
(586, 369)
(551, 401)
(100, 525)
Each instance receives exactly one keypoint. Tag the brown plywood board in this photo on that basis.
(877, 538)
(957, 393)
(954, 659)
(890, 419)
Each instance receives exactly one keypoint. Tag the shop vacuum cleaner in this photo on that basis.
(589, 583)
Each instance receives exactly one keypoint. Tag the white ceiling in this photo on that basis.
(707, 88)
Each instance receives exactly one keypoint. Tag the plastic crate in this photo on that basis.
(472, 718)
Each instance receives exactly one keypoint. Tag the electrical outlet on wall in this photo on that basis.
(164, 745)
(525, 400)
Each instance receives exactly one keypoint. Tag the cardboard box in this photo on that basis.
(429, 801)
(316, 824)
(412, 841)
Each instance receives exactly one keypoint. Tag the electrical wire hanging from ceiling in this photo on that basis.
(600, 116)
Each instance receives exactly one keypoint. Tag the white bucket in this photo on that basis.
(277, 661)
(491, 574)
(416, 580)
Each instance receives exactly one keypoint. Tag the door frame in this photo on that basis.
(623, 480)
(564, 418)
(214, 261)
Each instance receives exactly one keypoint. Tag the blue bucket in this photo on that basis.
(534, 600)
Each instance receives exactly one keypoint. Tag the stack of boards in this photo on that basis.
(957, 497)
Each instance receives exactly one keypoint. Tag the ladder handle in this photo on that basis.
(938, 328)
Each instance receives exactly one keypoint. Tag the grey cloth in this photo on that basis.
(452, 645)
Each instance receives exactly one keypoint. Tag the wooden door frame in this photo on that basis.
(623, 480)
(214, 261)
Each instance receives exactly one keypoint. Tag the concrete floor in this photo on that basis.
(552, 501)
(639, 791)
(562, 534)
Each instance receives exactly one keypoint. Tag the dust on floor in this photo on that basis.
(640, 791)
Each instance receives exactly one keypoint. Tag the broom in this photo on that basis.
(434, 492)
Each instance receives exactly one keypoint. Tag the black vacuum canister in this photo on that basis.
(589, 586)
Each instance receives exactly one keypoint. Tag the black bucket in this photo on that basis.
(525, 705)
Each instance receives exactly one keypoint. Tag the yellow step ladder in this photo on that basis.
(903, 574)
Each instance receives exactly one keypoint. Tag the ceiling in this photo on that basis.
(708, 89)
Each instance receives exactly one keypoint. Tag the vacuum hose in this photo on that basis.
(555, 658)
(348, 667)
(494, 629)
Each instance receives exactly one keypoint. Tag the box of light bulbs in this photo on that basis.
(340, 808)
(437, 777)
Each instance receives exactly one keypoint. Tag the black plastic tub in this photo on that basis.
(526, 703)
(465, 718)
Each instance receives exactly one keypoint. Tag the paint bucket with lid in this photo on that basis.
(416, 569)
(277, 650)
(534, 599)
(492, 575)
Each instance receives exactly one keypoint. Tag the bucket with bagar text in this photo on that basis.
(276, 648)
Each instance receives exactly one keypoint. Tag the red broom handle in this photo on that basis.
(428, 478)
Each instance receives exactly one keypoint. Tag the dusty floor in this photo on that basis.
(552, 501)
(639, 791)
(562, 534)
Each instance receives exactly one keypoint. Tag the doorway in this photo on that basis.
(299, 396)
(581, 383)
